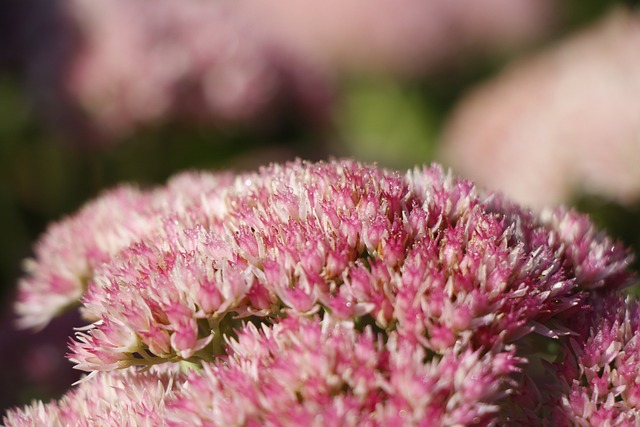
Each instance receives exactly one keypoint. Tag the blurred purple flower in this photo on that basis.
(33, 364)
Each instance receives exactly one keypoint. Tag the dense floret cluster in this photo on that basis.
(334, 294)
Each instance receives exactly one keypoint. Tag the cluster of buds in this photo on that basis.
(339, 293)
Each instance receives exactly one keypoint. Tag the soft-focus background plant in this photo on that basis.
(541, 95)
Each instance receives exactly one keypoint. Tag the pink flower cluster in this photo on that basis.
(306, 372)
(339, 293)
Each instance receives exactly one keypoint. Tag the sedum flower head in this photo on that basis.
(424, 254)
(342, 293)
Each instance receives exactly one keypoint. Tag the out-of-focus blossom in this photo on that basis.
(559, 124)
(123, 398)
(389, 36)
(66, 255)
(399, 36)
(340, 293)
(101, 70)
(107, 68)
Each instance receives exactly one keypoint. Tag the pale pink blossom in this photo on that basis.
(300, 371)
(399, 36)
(597, 261)
(67, 253)
(559, 124)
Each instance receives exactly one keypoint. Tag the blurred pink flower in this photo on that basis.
(559, 124)
(108, 67)
(399, 36)
(100, 70)
(68, 252)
